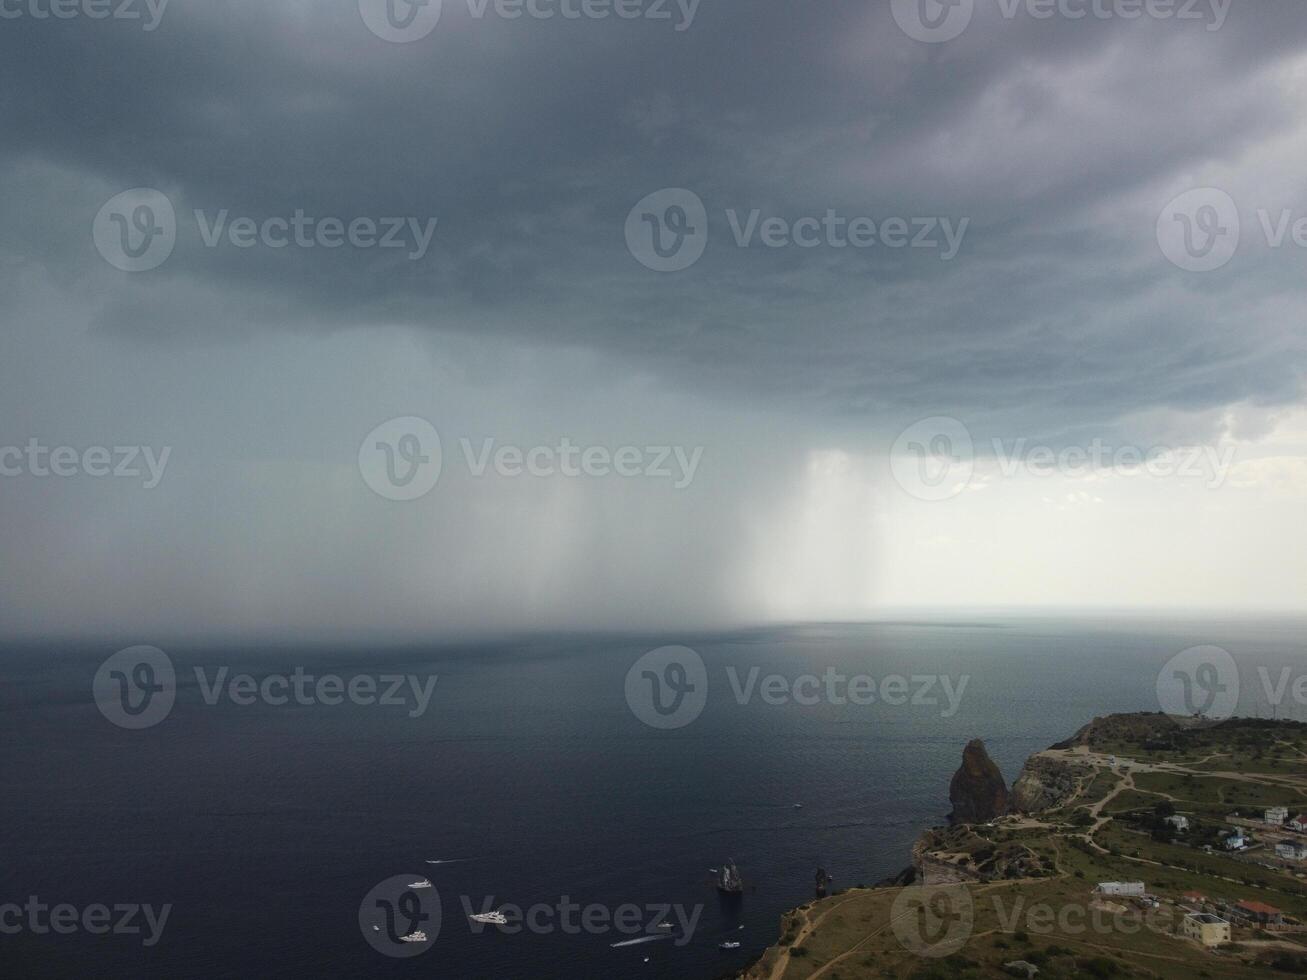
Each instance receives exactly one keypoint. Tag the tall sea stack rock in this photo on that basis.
(977, 792)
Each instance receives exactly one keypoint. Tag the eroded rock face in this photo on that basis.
(1045, 783)
(977, 792)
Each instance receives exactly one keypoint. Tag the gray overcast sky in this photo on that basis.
(1057, 316)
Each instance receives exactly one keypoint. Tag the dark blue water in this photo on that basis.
(264, 827)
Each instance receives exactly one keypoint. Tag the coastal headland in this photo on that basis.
(1146, 845)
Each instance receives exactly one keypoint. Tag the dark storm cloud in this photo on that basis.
(531, 140)
(526, 319)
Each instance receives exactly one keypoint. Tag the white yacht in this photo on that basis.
(414, 937)
(424, 883)
(731, 944)
(495, 918)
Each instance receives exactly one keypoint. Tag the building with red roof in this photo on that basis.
(1260, 912)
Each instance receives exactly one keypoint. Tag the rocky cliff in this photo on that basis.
(1045, 783)
(977, 792)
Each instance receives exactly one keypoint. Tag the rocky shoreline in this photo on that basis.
(979, 794)
(1050, 835)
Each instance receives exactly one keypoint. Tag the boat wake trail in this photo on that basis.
(637, 942)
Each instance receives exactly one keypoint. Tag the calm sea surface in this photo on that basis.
(265, 826)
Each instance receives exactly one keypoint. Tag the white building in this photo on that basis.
(1128, 889)
(1298, 823)
(1292, 851)
(1236, 841)
(1179, 822)
(1205, 928)
(1276, 815)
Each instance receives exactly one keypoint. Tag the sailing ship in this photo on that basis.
(728, 879)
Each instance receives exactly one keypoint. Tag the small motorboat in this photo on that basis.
(424, 883)
(729, 944)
